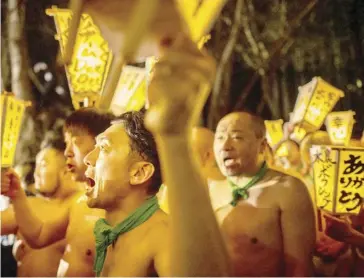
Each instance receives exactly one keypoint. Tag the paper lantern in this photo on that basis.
(298, 134)
(12, 111)
(274, 131)
(339, 178)
(340, 127)
(90, 63)
(135, 28)
(315, 100)
(130, 92)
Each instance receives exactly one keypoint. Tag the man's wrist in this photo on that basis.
(18, 196)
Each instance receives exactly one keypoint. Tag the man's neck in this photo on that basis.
(126, 206)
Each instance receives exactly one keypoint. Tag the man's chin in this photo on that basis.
(93, 203)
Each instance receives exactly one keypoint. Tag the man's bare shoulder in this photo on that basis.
(291, 189)
(285, 179)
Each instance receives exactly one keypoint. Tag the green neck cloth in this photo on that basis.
(105, 234)
(242, 193)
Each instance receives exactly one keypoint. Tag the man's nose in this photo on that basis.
(226, 144)
(68, 152)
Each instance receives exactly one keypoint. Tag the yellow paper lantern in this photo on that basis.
(135, 28)
(12, 111)
(339, 178)
(315, 100)
(90, 63)
(340, 127)
(130, 92)
(274, 131)
(298, 134)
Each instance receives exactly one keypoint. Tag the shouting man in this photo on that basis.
(266, 216)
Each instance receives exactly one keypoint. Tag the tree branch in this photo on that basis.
(226, 56)
(276, 50)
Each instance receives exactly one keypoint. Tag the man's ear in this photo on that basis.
(263, 146)
(141, 172)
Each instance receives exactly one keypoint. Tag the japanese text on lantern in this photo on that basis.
(91, 59)
(350, 188)
(324, 175)
(322, 102)
(14, 113)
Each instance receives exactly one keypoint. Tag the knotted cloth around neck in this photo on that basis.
(105, 234)
(242, 192)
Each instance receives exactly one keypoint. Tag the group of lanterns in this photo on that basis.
(338, 169)
(91, 61)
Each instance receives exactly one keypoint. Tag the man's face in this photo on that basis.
(108, 168)
(236, 146)
(78, 145)
(49, 163)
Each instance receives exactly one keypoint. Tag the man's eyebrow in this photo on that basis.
(100, 138)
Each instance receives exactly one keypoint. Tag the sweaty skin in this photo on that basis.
(56, 189)
(34, 262)
(74, 223)
(78, 257)
(272, 232)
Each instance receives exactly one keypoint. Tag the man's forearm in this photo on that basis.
(28, 223)
(198, 247)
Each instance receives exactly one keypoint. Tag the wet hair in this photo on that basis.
(142, 142)
(89, 120)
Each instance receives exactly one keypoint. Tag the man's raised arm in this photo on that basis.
(36, 232)
(180, 82)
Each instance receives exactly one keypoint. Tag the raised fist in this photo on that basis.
(10, 182)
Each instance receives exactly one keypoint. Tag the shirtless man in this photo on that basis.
(269, 228)
(76, 223)
(124, 176)
(55, 184)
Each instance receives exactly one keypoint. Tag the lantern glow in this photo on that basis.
(130, 93)
(315, 100)
(339, 178)
(90, 63)
(274, 131)
(12, 111)
(340, 126)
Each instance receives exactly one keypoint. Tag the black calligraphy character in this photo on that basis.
(317, 157)
(354, 165)
(358, 200)
(358, 182)
(344, 199)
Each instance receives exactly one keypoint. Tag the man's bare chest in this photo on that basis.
(128, 256)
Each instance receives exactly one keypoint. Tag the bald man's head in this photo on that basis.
(247, 120)
(240, 143)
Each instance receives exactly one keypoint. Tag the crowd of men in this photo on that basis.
(148, 193)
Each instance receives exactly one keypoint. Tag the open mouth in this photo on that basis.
(70, 167)
(90, 185)
(90, 182)
(228, 161)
